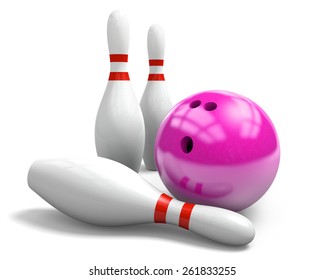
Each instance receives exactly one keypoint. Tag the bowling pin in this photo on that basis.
(119, 130)
(104, 192)
(155, 102)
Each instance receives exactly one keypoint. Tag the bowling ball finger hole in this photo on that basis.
(210, 106)
(195, 104)
(187, 144)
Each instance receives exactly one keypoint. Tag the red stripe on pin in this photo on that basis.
(118, 57)
(184, 217)
(119, 76)
(156, 77)
(156, 62)
(161, 208)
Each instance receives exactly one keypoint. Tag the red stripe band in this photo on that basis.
(156, 77)
(184, 217)
(119, 76)
(156, 62)
(118, 57)
(161, 208)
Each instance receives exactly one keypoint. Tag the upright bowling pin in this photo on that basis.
(155, 102)
(119, 130)
(104, 192)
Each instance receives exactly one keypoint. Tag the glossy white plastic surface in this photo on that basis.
(119, 129)
(104, 192)
(118, 33)
(155, 102)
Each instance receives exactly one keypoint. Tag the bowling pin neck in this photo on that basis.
(156, 71)
(118, 67)
(172, 211)
(156, 52)
(214, 223)
(118, 34)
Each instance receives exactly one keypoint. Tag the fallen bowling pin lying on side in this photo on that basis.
(104, 192)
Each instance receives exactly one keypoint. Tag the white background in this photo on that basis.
(54, 65)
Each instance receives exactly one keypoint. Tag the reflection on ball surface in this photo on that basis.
(217, 148)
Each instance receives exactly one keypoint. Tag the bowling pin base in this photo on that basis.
(119, 129)
(150, 167)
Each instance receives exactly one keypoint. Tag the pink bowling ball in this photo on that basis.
(217, 148)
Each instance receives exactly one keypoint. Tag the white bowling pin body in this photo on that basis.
(155, 102)
(119, 130)
(104, 192)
